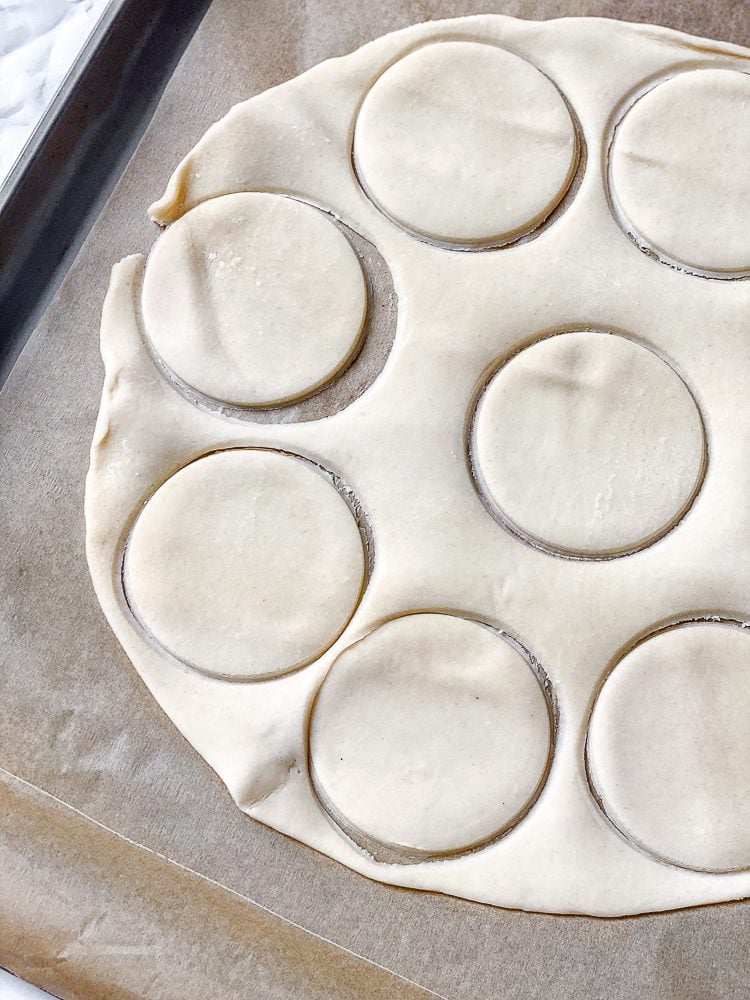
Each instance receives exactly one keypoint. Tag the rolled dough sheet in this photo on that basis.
(483, 630)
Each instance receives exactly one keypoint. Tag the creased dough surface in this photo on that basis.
(679, 169)
(254, 299)
(589, 443)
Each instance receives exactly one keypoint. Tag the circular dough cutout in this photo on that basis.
(254, 299)
(246, 564)
(588, 444)
(668, 748)
(465, 143)
(679, 170)
(431, 735)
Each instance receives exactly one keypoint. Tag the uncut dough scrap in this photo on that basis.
(578, 89)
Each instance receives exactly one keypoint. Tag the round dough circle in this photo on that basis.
(430, 735)
(588, 444)
(668, 747)
(679, 169)
(464, 142)
(254, 299)
(247, 563)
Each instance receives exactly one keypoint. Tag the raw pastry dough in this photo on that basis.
(588, 444)
(601, 442)
(669, 746)
(680, 169)
(254, 299)
(430, 735)
(465, 143)
(245, 563)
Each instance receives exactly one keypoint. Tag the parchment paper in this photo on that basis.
(85, 913)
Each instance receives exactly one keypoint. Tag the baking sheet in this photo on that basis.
(78, 151)
(76, 722)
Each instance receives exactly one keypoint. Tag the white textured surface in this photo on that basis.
(12, 988)
(39, 42)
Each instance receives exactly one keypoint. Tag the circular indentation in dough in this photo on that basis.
(587, 444)
(431, 735)
(254, 299)
(668, 749)
(465, 143)
(350, 383)
(679, 170)
(245, 564)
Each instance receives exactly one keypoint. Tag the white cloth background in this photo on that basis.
(14, 989)
(39, 41)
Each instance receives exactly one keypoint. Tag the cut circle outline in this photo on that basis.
(485, 494)
(370, 352)
(568, 192)
(126, 603)
(720, 619)
(618, 213)
(386, 853)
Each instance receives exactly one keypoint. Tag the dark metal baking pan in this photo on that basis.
(78, 150)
